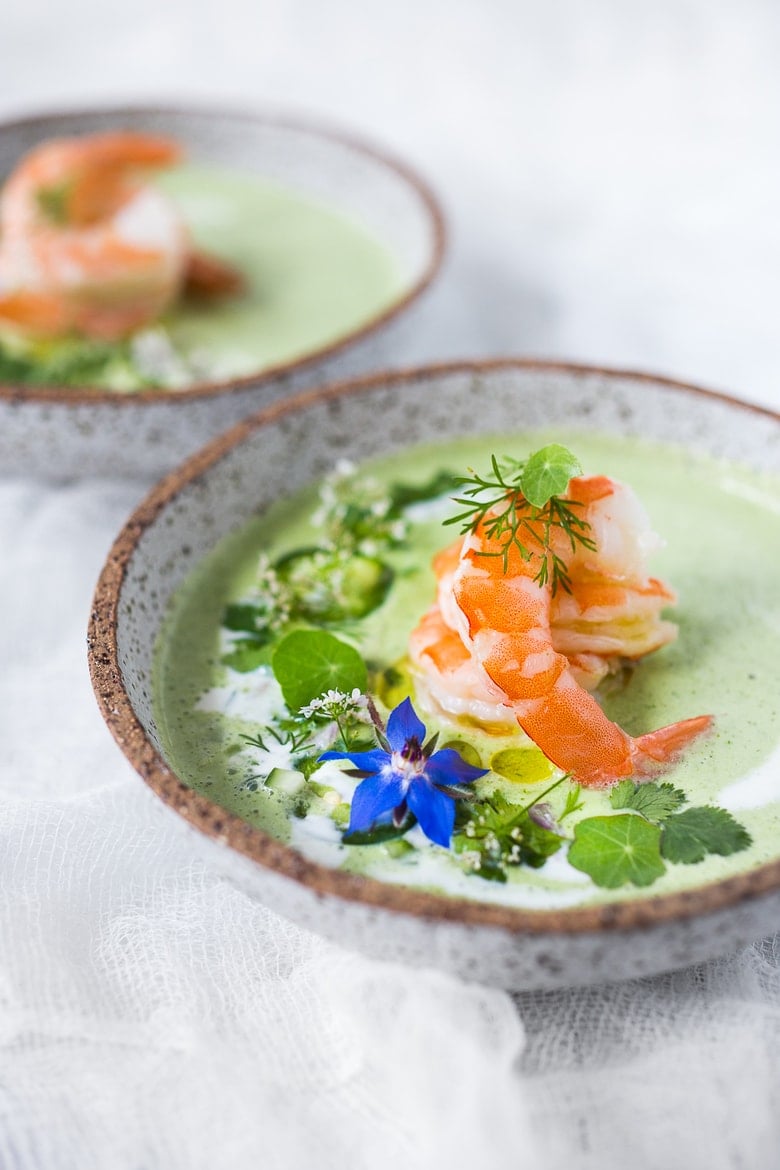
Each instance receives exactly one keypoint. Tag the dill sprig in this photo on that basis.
(521, 505)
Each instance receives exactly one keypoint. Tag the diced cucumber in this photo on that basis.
(283, 780)
(331, 586)
(398, 847)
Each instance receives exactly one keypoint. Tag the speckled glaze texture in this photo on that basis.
(67, 433)
(293, 443)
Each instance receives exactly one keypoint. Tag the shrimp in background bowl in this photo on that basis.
(89, 246)
(502, 645)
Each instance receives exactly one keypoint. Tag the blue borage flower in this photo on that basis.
(407, 774)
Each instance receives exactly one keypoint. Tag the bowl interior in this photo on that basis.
(292, 444)
(373, 191)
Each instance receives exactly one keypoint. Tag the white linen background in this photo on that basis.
(611, 176)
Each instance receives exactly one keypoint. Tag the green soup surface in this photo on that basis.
(721, 528)
(312, 276)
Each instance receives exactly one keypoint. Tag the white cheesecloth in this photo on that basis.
(611, 176)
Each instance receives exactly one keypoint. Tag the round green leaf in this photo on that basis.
(617, 850)
(547, 473)
(309, 662)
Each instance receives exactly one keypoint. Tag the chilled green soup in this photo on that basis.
(537, 842)
(312, 276)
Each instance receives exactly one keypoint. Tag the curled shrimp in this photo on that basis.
(88, 245)
(498, 646)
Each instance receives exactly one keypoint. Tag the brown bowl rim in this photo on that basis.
(268, 852)
(84, 395)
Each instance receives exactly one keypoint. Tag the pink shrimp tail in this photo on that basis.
(498, 644)
(35, 312)
(666, 744)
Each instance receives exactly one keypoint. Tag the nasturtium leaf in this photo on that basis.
(652, 800)
(616, 850)
(547, 473)
(309, 662)
(690, 835)
(523, 765)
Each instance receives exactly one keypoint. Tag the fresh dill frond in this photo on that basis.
(521, 505)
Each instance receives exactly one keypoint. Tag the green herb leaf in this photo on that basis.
(616, 850)
(248, 619)
(538, 843)
(652, 800)
(73, 362)
(500, 834)
(573, 803)
(247, 654)
(404, 494)
(690, 835)
(547, 473)
(360, 514)
(498, 502)
(490, 870)
(309, 662)
(380, 834)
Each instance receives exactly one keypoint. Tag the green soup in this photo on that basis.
(312, 276)
(721, 525)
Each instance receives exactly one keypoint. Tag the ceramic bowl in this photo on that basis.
(287, 446)
(63, 433)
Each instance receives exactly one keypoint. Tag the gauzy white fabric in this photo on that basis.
(611, 178)
(150, 1014)
(153, 1016)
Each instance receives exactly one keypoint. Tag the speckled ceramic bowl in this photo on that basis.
(63, 433)
(291, 444)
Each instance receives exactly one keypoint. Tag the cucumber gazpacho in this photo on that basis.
(467, 680)
(124, 268)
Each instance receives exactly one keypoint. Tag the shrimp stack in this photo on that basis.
(499, 646)
(88, 245)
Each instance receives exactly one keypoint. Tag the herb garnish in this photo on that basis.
(521, 505)
(614, 850)
(337, 582)
(634, 846)
(405, 782)
(310, 663)
(494, 833)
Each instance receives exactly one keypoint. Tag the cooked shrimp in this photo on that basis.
(498, 645)
(612, 613)
(86, 244)
(447, 676)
